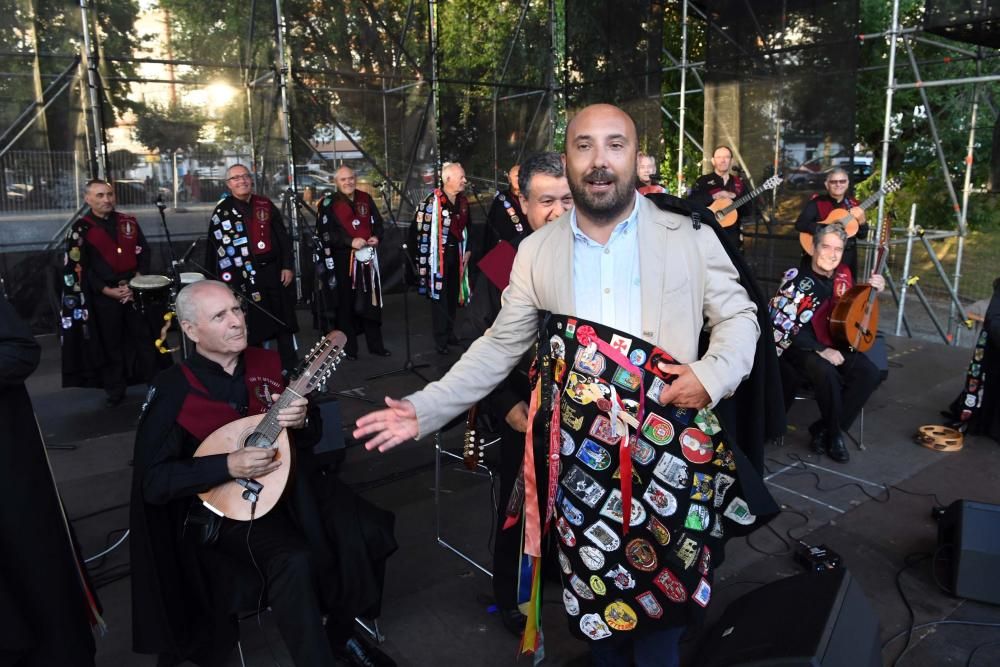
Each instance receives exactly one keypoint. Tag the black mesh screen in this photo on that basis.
(973, 21)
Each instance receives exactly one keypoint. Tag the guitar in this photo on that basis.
(725, 210)
(239, 499)
(854, 319)
(849, 217)
(474, 442)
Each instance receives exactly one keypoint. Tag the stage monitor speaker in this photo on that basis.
(970, 533)
(816, 619)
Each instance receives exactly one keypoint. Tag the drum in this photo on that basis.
(364, 255)
(188, 277)
(150, 290)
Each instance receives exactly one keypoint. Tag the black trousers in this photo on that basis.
(841, 391)
(349, 320)
(292, 584)
(444, 309)
(127, 343)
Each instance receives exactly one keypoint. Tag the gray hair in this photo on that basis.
(186, 304)
(833, 172)
(548, 163)
(229, 169)
(832, 228)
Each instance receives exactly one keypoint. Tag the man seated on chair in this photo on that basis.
(841, 378)
(320, 551)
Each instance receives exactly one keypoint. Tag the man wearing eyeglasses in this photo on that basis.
(251, 251)
(819, 208)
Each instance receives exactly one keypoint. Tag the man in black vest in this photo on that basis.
(320, 550)
(505, 221)
(349, 227)
(440, 236)
(819, 208)
(250, 250)
(105, 339)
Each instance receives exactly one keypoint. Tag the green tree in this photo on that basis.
(169, 129)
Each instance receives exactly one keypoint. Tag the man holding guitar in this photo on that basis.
(193, 570)
(842, 378)
(722, 184)
(819, 207)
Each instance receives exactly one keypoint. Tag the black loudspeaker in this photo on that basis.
(816, 619)
(332, 439)
(969, 532)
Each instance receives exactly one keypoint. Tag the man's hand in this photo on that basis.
(122, 293)
(723, 194)
(389, 427)
(686, 391)
(252, 462)
(517, 418)
(877, 281)
(373, 241)
(294, 415)
(358, 243)
(832, 355)
(286, 277)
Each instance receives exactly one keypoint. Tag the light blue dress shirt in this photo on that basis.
(606, 284)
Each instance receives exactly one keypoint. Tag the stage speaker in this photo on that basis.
(332, 439)
(816, 619)
(969, 532)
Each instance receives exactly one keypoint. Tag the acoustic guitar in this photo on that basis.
(854, 319)
(849, 218)
(726, 213)
(241, 499)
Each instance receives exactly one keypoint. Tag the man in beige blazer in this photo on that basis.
(686, 282)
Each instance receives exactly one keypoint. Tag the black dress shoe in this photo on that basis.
(442, 349)
(837, 449)
(382, 353)
(818, 441)
(359, 653)
(513, 620)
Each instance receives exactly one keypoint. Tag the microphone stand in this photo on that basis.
(408, 365)
(172, 269)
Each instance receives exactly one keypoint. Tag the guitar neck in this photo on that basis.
(866, 204)
(269, 427)
(744, 199)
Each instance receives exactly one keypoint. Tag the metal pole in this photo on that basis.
(963, 228)
(948, 82)
(175, 179)
(683, 101)
(930, 311)
(253, 147)
(286, 127)
(76, 176)
(887, 126)
(435, 88)
(891, 284)
(941, 273)
(910, 231)
(496, 92)
(100, 161)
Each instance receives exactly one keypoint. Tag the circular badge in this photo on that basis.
(226, 276)
(571, 603)
(74, 254)
(592, 558)
(641, 555)
(585, 334)
(620, 616)
(261, 245)
(637, 357)
(696, 445)
(597, 585)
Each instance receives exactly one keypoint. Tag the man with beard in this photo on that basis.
(105, 339)
(439, 236)
(842, 378)
(723, 183)
(647, 183)
(544, 195)
(250, 250)
(819, 208)
(621, 262)
(320, 550)
(350, 227)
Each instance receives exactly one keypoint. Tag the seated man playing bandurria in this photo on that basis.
(316, 559)
(842, 378)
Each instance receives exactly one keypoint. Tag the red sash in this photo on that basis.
(459, 213)
(202, 415)
(825, 205)
(119, 254)
(260, 227)
(360, 210)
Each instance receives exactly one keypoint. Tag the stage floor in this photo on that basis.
(437, 608)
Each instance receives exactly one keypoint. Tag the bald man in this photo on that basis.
(626, 290)
(505, 221)
(350, 228)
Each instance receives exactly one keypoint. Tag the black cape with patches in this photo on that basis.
(755, 413)
(185, 597)
(43, 610)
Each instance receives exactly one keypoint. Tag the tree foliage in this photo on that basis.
(169, 129)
